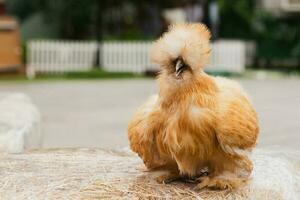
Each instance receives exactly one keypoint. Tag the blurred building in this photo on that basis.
(279, 7)
(2, 7)
(10, 51)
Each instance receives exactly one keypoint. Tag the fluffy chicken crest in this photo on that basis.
(188, 41)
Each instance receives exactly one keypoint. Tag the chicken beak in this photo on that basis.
(179, 67)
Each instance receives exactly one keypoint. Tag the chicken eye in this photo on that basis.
(174, 62)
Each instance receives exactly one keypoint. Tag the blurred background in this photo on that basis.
(85, 64)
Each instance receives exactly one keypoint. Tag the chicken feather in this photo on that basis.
(196, 121)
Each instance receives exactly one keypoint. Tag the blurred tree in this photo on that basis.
(236, 18)
(76, 19)
(22, 9)
(141, 19)
(82, 19)
(72, 16)
(277, 38)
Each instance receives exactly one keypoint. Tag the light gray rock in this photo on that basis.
(19, 123)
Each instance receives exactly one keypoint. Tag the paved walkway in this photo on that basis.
(96, 113)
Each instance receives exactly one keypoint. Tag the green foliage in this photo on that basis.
(84, 75)
(22, 9)
(236, 18)
(277, 37)
(72, 16)
(98, 74)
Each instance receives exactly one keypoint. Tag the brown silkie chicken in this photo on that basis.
(197, 121)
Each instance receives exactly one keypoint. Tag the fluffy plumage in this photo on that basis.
(196, 121)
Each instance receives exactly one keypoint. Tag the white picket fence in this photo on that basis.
(61, 56)
(228, 56)
(126, 56)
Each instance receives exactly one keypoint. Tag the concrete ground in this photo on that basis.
(96, 113)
